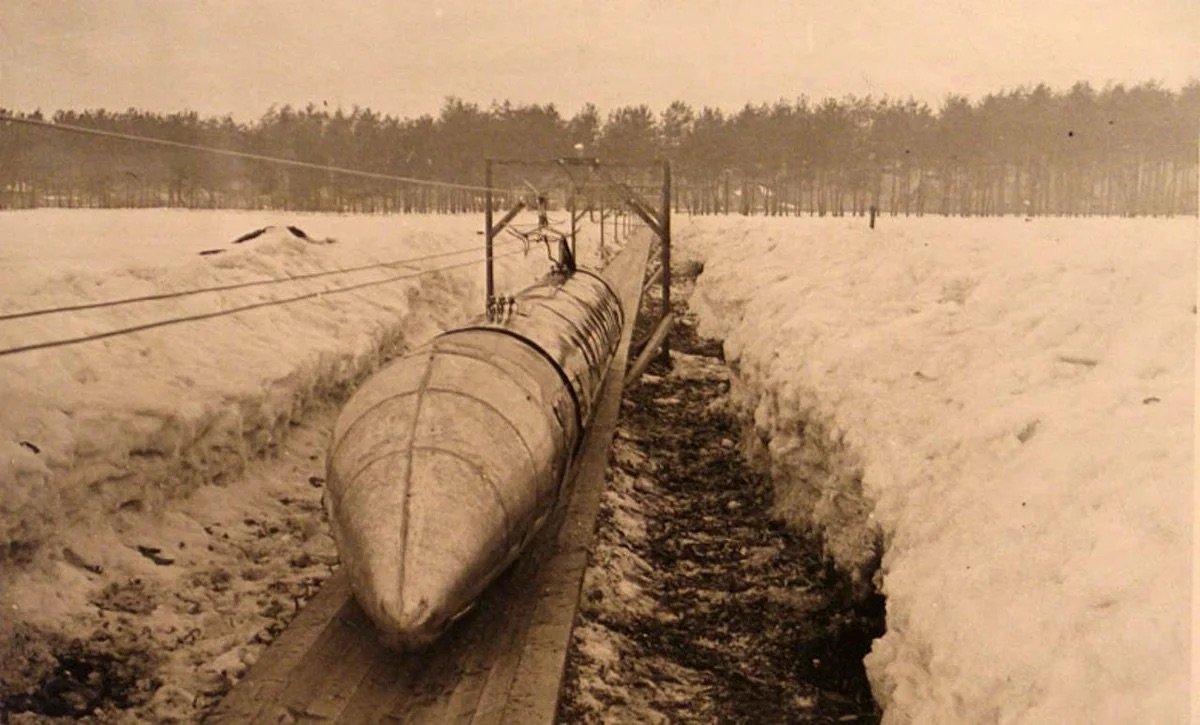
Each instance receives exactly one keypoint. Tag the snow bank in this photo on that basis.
(1006, 407)
(129, 422)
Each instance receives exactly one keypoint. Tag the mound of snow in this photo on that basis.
(133, 420)
(1006, 408)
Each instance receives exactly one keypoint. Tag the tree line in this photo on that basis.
(1122, 150)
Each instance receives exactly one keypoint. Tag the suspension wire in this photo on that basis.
(234, 310)
(226, 287)
(69, 128)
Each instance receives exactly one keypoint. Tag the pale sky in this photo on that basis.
(404, 57)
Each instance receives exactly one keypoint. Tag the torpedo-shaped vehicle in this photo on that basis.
(445, 462)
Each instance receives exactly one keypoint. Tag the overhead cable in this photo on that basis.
(66, 127)
(226, 287)
(235, 310)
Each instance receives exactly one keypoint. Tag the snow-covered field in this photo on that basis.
(135, 419)
(1005, 408)
(174, 473)
(89, 427)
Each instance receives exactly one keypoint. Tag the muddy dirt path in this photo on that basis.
(697, 606)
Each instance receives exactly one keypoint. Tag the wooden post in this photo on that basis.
(665, 353)
(652, 280)
(489, 280)
(571, 211)
(659, 335)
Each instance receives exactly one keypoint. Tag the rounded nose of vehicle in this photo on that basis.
(413, 541)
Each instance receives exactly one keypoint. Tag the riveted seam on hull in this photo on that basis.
(342, 496)
(562, 374)
(488, 361)
(402, 529)
(363, 415)
(592, 309)
(533, 461)
(479, 470)
(595, 311)
(535, 393)
(616, 297)
(578, 334)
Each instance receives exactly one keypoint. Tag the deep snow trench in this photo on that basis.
(1015, 398)
(699, 604)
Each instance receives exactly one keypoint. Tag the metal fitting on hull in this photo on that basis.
(447, 461)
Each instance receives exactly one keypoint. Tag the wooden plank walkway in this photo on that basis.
(503, 662)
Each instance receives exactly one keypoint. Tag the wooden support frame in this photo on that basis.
(657, 339)
(653, 279)
(574, 219)
(648, 216)
(489, 237)
(508, 217)
(657, 220)
(664, 235)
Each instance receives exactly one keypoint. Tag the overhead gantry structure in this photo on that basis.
(600, 175)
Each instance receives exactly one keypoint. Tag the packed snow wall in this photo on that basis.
(132, 421)
(1006, 407)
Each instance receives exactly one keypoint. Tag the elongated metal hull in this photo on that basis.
(445, 462)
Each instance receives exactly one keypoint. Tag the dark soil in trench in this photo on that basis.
(86, 679)
(717, 611)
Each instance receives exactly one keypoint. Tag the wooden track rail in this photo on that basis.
(503, 662)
